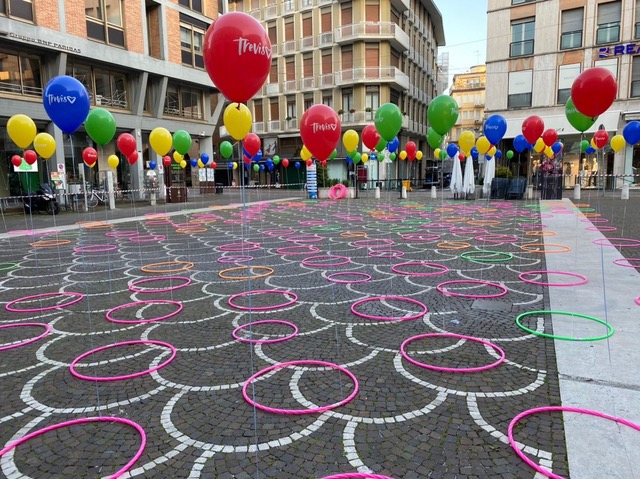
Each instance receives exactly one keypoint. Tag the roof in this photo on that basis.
(436, 18)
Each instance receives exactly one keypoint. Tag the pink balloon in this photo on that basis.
(532, 128)
(320, 130)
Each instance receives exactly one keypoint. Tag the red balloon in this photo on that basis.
(246, 159)
(600, 138)
(285, 162)
(309, 162)
(593, 91)
(532, 128)
(411, 150)
(126, 144)
(323, 163)
(370, 137)
(251, 144)
(30, 157)
(166, 160)
(16, 160)
(550, 136)
(90, 156)
(461, 156)
(133, 157)
(320, 130)
(213, 164)
(237, 55)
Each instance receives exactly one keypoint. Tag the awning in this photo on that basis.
(609, 119)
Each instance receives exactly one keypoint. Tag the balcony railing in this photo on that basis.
(274, 125)
(256, 14)
(325, 39)
(288, 6)
(306, 43)
(389, 30)
(326, 80)
(258, 127)
(374, 74)
(308, 83)
(523, 48)
(305, 4)
(290, 86)
(273, 89)
(270, 11)
(289, 47)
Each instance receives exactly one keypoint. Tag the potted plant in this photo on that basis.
(340, 111)
(368, 109)
(288, 118)
(353, 110)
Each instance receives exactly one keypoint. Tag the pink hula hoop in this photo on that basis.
(389, 318)
(583, 279)
(338, 191)
(313, 222)
(530, 412)
(629, 262)
(119, 472)
(311, 263)
(617, 242)
(372, 243)
(77, 297)
(293, 295)
(140, 303)
(442, 288)
(146, 238)
(451, 370)
(239, 247)
(397, 268)
(72, 367)
(602, 229)
(300, 411)
(234, 259)
(279, 232)
(356, 475)
(638, 300)
(304, 238)
(235, 335)
(47, 330)
(295, 250)
(386, 253)
(95, 248)
(365, 277)
(133, 286)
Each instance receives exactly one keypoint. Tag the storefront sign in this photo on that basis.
(627, 49)
(46, 43)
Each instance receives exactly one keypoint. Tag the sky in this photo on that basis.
(465, 33)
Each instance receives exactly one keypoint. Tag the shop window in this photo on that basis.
(183, 102)
(104, 21)
(20, 74)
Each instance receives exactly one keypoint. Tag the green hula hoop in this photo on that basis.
(499, 256)
(565, 338)
(326, 228)
(8, 266)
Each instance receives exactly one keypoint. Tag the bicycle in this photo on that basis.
(93, 198)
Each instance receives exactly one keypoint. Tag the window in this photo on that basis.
(327, 99)
(258, 115)
(520, 87)
(566, 75)
(522, 33)
(183, 101)
(610, 64)
(291, 108)
(20, 73)
(347, 103)
(191, 41)
(572, 22)
(106, 87)
(635, 77)
(22, 9)
(519, 2)
(636, 30)
(608, 23)
(104, 21)
(308, 102)
(195, 5)
(371, 101)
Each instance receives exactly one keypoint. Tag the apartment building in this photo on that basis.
(468, 90)
(354, 56)
(143, 63)
(536, 48)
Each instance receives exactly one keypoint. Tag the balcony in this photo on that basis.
(290, 86)
(479, 104)
(291, 124)
(288, 6)
(401, 5)
(305, 4)
(324, 2)
(273, 89)
(308, 83)
(258, 127)
(256, 14)
(374, 30)
(373, 75)
(306, 43)
(270, 11)
(274, 125)
(325, 39)
(326, 81)
(274, 49)
(289, 47)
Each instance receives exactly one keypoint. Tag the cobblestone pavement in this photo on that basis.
(190, 289)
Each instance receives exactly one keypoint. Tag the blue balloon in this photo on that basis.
(373, 157)
(152, 165)
(393, 145)
(474, 153)
(262, 167)
(245, 153)
(271, 167)
(230, 165)
(520, 143)
(494, 128)
(297, 164)
(258, 156)
(631, 132)
(66, 101)
(488, 158)
(498, 154)
(204, 158)
(349, 160)
(556, 147)
(590, 150)
(194, 162)
(452, 150)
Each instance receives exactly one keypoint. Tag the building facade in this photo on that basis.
(143, 63)
(468, 90)
(354, 56)
(535, 50)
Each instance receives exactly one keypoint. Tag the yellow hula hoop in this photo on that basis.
(354, 234)
(453, 245)
(190, 230)
(540, 248)
(152, 268)
(49, 243)
(540, 233)
(269, 272)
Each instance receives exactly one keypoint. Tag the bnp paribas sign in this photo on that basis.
(624, 49)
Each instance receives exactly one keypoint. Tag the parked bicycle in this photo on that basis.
(94, 197)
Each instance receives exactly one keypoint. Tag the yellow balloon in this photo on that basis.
(237, 120)
(403, 155)
(593, 143)
(549, 152)
(304, 153)
(466, 140)
(89, 165)
(183, 164)
(161, 140)
(44, 145)
(22, 130)
(539, 146)
(492, 151)
(177, 157)
(418, 155)
(235, 165)
(482, 145)
(200, 163)
(113, 161)
(364, 157)
(350, 140)
(617, 143)
(436, 152)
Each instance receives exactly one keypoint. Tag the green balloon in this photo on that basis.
(226, 149)
(510, 154)
(579, 121)
(434, 139)
(442, 113)
(443, 154)
(256, 167)
(356, 157)
(392, 157)
(276, 159)
(388, 121)
(333, 154)
(381, 145)
(100, 126)
(584, 144)
(181, 142)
